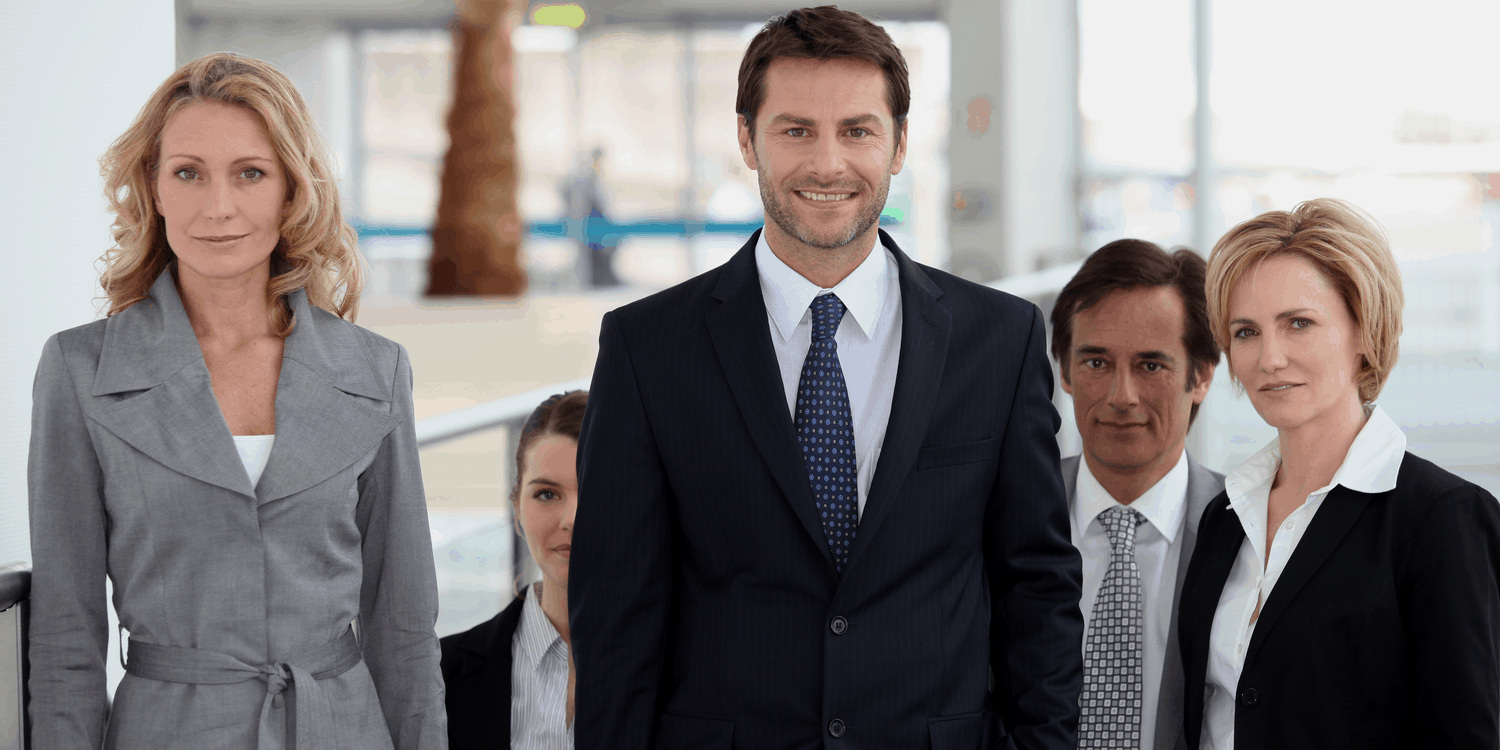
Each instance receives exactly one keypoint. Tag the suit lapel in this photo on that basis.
(925, 325)
(741, 336)
(485, 678)
(177, 422)
(1202, 487)
(1340, 510)
(324, 419)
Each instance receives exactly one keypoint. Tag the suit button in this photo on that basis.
(1250, 697)
(836, 727)
(838, 626)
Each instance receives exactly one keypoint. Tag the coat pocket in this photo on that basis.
(977, 731)
(678, 732)
(957, 454)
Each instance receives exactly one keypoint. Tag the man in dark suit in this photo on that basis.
(821, 502)
(1131, 336)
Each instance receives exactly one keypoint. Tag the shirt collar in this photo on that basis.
(1370, 466)
(789, 294)
(1164, 504)
(535, 634)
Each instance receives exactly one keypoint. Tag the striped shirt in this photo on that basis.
(538, 682)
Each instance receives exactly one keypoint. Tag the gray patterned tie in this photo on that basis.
(1113, 652)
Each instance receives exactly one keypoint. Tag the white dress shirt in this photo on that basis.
(538, 681)
(1158, 547)
(1370, 466)
(869, 341)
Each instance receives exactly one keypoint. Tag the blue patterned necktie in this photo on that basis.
(1113, 673)
(825, 430)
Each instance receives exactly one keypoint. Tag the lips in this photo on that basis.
(825, 197)
(1278, 387)
(222, 239)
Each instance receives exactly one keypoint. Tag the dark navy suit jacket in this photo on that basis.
(706, 610)
(1382, 632)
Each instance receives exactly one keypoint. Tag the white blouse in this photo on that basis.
(1370, 466)
(538, 681)
(255, 451)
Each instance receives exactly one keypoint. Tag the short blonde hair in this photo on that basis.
(1351, 251)
(317, 251)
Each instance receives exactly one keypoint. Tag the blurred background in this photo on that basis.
(1040, 130)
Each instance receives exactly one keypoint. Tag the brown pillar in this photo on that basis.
(476, 242)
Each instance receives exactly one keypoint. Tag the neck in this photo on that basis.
(823, 266)
(554, 601)
(227, 309)
(1311, 453)
(1127, 483)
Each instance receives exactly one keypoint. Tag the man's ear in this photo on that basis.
(1205, 379)
(747, 145)
(1062, 370)
(899, 158)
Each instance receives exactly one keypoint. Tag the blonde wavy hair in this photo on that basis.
(1348, 247)
(317, 252)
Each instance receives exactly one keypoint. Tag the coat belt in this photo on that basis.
(198, 666)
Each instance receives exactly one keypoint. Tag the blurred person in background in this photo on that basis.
(583, 195)
(1344, 592)
(834, 506)
(511, 678)
(1131, 336)
(233, 453)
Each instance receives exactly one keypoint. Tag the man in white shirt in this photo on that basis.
(1131, 336)
(820, 496)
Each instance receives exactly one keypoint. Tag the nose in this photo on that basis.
(827, 164)
(1272, 353)
(569, 512)
(218, 204)
(1122, 390)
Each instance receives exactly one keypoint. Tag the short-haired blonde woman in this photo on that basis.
(235, 455)
(1344, 593)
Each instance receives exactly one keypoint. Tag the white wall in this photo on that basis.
(75, 75)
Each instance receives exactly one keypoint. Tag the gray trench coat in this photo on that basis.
(133, 473)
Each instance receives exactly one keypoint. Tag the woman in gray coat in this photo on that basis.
(234, 455)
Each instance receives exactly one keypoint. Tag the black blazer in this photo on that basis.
(1382, 632)
(476, 675)
(706, 611)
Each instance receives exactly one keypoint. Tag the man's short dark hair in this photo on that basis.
(1133, 264)
(822, 33)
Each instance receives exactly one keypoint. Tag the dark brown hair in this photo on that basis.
(1131, 264)
(561, 414)
(821, 33)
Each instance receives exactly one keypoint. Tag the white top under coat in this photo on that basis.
(538, 681)
(868, 339)
(1370, 466)
(255, 451)
(1158, 547)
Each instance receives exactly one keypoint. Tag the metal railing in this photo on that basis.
(15, 589)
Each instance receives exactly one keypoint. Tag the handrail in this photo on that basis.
(489, 415)
(15, 584)
(512, 410)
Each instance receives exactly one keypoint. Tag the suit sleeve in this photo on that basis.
(69, 626)
(398, 597)
(1035, 573)
(1453, 612)
(621, 578)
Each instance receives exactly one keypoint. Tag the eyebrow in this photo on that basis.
(806, 122)
(1152, 354)
(1279, 316)
(544, 480)
(236, 161)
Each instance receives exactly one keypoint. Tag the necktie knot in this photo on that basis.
(1119, 525)
(827, 312)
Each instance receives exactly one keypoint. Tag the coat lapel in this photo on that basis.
(151, 347)
(324, 421)
(925, 325)
(1340, 510)
(324, 418)
(742, 339)
(1202, 487)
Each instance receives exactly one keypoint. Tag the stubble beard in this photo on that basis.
(787, 220)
